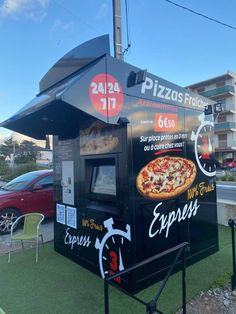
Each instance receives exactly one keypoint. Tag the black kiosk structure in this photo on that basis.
(110, 120)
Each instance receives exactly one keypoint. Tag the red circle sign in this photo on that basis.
(106, 94)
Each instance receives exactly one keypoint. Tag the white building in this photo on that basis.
(222, 90)
(43, 156)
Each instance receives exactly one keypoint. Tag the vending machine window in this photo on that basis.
(103, 180)
(101, 188)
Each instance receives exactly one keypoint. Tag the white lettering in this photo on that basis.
(71, 240)
(164, 92)
(180, 97)
(174, 95)
(168, 92)
(156, 215)
(161, 91)
(155, 88)
(166, 221)
(148, 84)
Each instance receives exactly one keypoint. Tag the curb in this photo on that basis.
(226, 183)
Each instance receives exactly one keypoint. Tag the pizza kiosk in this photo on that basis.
(134, 170)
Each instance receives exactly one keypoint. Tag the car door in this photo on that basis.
(41, 196)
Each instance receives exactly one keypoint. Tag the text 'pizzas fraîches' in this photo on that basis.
(166, 177)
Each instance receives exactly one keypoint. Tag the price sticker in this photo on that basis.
(106, 95)
(166, 122)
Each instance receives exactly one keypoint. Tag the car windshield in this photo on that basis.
(228, 160)
(20, 182)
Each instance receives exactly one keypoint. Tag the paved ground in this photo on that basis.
(48, 235)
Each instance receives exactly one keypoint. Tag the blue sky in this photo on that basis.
(167, 41)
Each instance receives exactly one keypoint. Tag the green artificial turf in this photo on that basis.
(56, 285)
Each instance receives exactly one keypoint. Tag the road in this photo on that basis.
(226, 192)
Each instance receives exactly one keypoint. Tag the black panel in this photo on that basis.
(75, 60)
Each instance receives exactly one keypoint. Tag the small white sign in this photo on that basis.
(71, 217)
(61, 214)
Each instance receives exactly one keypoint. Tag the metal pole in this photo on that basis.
(117, 32)
(184, 281)
(233, 277)
(14, 152)
(106, 297)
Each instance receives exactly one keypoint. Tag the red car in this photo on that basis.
(30, 192)
(229, 163)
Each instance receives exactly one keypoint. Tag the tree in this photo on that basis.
(9, 147)
(25, 153)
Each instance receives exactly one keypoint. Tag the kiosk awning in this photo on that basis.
(50, 113)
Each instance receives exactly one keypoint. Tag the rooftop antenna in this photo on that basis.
(117, 32)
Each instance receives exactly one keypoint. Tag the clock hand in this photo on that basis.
(121, 266)
(210, 145)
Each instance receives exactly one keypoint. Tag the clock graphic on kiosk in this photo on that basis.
(203, 146)
(111, 249)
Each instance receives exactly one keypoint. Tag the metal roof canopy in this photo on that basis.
(57, 118)
(48, 113)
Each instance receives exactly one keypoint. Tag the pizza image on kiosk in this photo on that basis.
(96, 139)
(166, 177)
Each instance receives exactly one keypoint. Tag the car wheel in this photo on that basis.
(7, 217)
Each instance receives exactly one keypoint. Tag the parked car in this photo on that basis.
(229, 163)
(30, 192)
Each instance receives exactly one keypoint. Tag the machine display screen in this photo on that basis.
(103, 180)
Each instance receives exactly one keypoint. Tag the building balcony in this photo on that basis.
(224, 90)
(225, 144)
(228, 108)
(225, 126)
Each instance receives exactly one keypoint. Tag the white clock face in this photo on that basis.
(112, 255)
(204, 148)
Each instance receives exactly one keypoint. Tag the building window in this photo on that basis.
(222, 137)
(222, 140)
(220, 84)
(201, 90)
(223, 103)
(221, 118)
